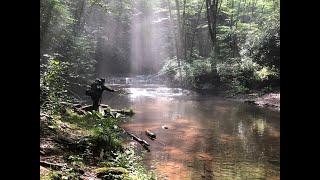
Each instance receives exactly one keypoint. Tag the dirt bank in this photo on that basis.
(269, 100)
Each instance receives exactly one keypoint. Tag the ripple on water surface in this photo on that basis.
(207, 137)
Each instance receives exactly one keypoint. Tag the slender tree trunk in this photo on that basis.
(78, 26)
(253, 7)
(45, 26)
(209, 20)
(179, 27)
(184, 31)
(172, 27)
(178, 42)
(232, 45)
(200, 42)
(119, 24)
(195, 31)
(231, 18)
(212, 14)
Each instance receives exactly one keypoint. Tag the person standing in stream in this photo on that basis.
(95, 92)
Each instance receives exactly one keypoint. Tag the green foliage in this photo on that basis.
(194, 74)
(52, 175)
(105, 134)
(62, 32)
(55, 17)
(116, 173)
(106, 137)
(268, 50)
(247, 52)
(265, 73)
(60, 175)
(130, 164)
(76, 160)
(52, 83)
(238, 88)
(100, 4)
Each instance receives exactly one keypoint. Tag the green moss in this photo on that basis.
(111, 170)
(106, 164)
(52, 175)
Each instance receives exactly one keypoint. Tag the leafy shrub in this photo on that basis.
(132, 163)
(52, 83)
(193, 74)
(103, 133)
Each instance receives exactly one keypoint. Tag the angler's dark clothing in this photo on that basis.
(95, 92)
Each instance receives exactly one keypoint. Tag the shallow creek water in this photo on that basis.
(208, 137)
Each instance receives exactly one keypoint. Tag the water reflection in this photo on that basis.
(207, 138)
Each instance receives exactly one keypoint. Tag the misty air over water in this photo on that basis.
(160, 89)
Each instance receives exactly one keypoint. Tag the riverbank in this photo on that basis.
(87, 147)
(268, 100)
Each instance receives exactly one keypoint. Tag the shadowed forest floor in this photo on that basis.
(89, 146)
(52, 150)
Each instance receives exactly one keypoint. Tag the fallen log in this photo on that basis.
(87, 108)
(83, 109)
(77, 105)
(141, 141)
(66, 103)
(79, 111)
(46, 116)
(144, 143)
(59, 166)
(104, 106)
(90, 107)
(52, 165)
(123, 111)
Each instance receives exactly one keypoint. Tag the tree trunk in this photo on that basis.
(212, 14)
(45, 26)
(195, 31)
(78, 26)
(178, 40)
(209, 20)
(179, 27)
(184, 31)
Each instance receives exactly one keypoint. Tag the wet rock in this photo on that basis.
(165, 127)
(150, 134)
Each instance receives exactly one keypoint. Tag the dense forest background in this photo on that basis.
(202, 44)
(212, 46)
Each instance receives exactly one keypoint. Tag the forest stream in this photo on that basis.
(205, 137)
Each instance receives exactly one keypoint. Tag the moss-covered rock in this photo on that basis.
(110, 170)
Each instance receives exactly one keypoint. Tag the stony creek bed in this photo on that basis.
(208, 137)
